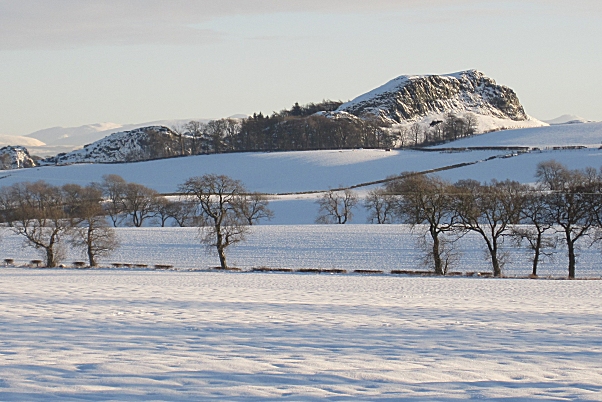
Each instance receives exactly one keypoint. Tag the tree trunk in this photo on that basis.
(221, 249)
(535, 261)
(90, 249)
(437, 255)
(495, 262)
(497, 271)
(50, 262)
(571, 248)
(222, 257)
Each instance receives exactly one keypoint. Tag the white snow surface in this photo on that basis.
(138, 336)
(586, 134)
(484, 123)
(278, 172)
(349, 247)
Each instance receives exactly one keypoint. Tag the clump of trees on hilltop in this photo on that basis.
(303, 128)
(295, 129)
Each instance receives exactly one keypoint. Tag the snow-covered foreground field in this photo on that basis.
(102, 335)
(349, 247)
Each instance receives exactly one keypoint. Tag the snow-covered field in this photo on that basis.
(192, 334)
(349, 247)
(278, 172)
(103, 335)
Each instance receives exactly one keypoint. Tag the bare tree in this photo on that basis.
(536, 215)
(428, 200)
(196, 131)
(183, 212)
(219, 199)
(139, 203)
(179, 130)
(90, 230)
(163, 209)
(36, 211)
(416, 132)
(113, 190)
(402, 136)
(380, 204)
(573, 201)
(254, 207)
(336, 206)
(490, 210)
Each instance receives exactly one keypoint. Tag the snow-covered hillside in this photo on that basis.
(427, 98)
(311, 171)
(586, 134)
(14, 140)
(278, 172)
(52, 141)
(79, 136)
(128, 146)
(15, 157)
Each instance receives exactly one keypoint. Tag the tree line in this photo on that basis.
(564, 203)
(298, 129)
(51, 217)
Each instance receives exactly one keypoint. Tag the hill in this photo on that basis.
(426, 98)
(303, 173)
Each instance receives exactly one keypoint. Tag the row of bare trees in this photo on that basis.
(50, 217)
(564, 202)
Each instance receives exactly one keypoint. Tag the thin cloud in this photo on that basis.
(49, 24)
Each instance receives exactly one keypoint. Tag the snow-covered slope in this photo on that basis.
(586, 134)
(295, 172)
(277, 172)
(425, 98)
(79, 136)
(19, 140)
(128, 146)
(15, 157)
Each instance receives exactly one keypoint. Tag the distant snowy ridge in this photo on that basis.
(145, 143)
(425, 98)
(86, 134)
(568, 119)
(15, 157)
(19, 140)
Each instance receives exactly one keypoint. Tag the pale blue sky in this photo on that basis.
(74, 62)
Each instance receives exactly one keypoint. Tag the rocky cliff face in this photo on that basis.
(128, 146)
(411, 98)
(15, 157)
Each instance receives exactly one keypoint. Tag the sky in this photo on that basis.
(74, 62)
